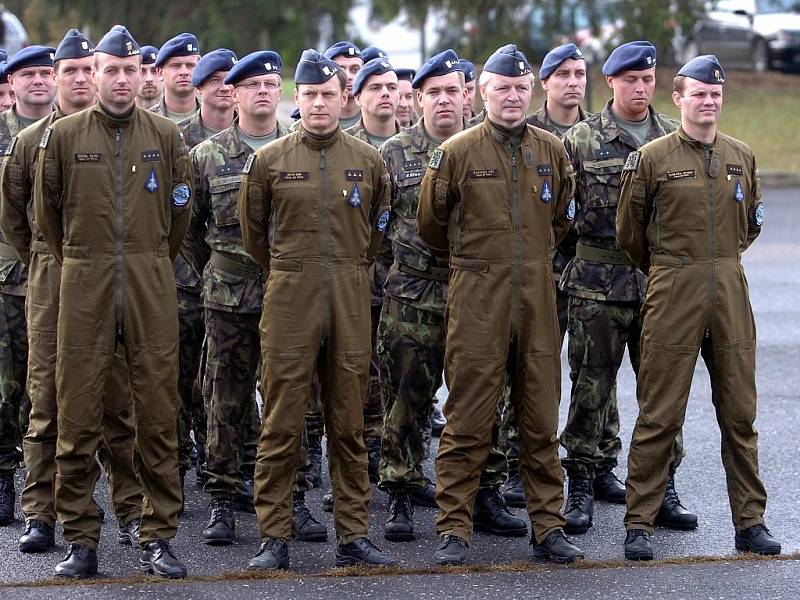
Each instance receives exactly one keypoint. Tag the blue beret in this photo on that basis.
(32, 56)
(118, 42)
(220, 59)
(508, 61)
(407, 74)
(149, 54)
(3, 76)
(705, 68)
(377, 66)
(261, 62)
(556, 56)
(314, 68)
(441, 64)
(469, 70)
(370, 52)
(633, 56)
(342, 49)
(183, 44)
(74, 45)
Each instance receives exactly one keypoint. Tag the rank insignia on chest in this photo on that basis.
(544, 170)
(355, 196)
(151, 185)
(738, 194)
(546, 194)
(151, 155)
(354, 175)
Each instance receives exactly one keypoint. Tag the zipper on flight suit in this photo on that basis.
(516, 267)
(712, 240)
(325, 244)
(120, 231)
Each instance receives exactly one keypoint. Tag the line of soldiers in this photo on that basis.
(340, 267)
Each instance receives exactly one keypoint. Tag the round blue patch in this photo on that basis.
(181, 194)
(758, 217)
(571, 210)
(383, 221)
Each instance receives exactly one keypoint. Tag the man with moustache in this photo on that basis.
(175, 64)
(152, 88)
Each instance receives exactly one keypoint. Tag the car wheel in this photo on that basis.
(760, 56)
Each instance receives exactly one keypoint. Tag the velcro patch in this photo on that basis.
(684, 174)
(412, 174)
(45, 138)
(604, 152)
(10, 148)
(294, 175)
(151, 155)
(249, 164)
(632, 162)
(351, 175)
(482, 173)
(734, 169)
(88, 157)
(436, 158)
(544, 170)
(226, 170)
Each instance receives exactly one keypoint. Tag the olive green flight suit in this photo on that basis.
(112, 198)
(42, 305)
(501, 210)
(313, 210)
(686, 215)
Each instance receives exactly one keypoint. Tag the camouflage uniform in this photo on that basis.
(411, 336)
(161, 109)
(232, 291)
(606, 293)
(14, 402)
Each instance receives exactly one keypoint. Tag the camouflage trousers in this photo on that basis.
(191, 413)
(410, 348)
(509, 430)
(599, 332)
(14, 402)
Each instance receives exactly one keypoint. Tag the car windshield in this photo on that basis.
(766, 7)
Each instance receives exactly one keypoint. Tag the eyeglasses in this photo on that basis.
(255, 85)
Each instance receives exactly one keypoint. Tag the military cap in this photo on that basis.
(705, 68)
(314, 68)
(556, 56)
(469, 70)
(183, 44)
(74, 45)
(32, 56)
(370, 52)
(220, 59)
(508, 61)
(440, 64)
(407, 74)
(633, 56)
(118, 42)
(342, 49)
(3, 76)
(261, 62)
(377, 66)
(149, 54)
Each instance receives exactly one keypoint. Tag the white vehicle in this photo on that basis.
(16, 37)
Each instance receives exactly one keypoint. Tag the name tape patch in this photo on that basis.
(294, 175)
(482, 173)
(683, 174)
(88, 157)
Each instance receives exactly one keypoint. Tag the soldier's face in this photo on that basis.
(442, 101)
(33, 86)
(566, 86)
(215, 93)
(74, 81)
(259, 96)
(700, 103)
(633, 91)
(320, 105)
(405, 103)
(351, 65)
(471, 88)
(6, 96)
(152, 84)
(380, 96)
(177, 74)
(117, 80)
(507, 98)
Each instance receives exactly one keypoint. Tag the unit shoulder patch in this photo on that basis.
(632, 162)
(45, 138)
(436, 158)
(10, 148)
(249, 164)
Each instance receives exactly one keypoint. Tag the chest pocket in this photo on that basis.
(601, 181)
(224, 191)
(295, 206)
(408, 193)
(485, 205)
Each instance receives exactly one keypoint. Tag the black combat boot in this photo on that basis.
(221, 528)
(327, 502)
(314, 477)
(672, 513)
(304, 526)
(374, 459)
(579, 507)
(79, 563)
(513, 492)
(362, 551)
(38, 537)
(129, 532)
(638, 545)
(608, 487)
(425, 495)
(272, 555)
(452, 550)
(7, 498)
(400, 520)
(491, 515)
(158, 559)
(557, 548)
(758, 539)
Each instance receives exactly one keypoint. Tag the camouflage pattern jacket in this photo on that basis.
(232, 280)
(161, 109)
(13, 272)
(416, 277)
(598, 148)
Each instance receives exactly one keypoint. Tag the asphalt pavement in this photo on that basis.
(701, 563)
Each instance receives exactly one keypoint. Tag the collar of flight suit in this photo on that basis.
(526, 145)
(114, 121)
(687, 138)
(319, 142)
